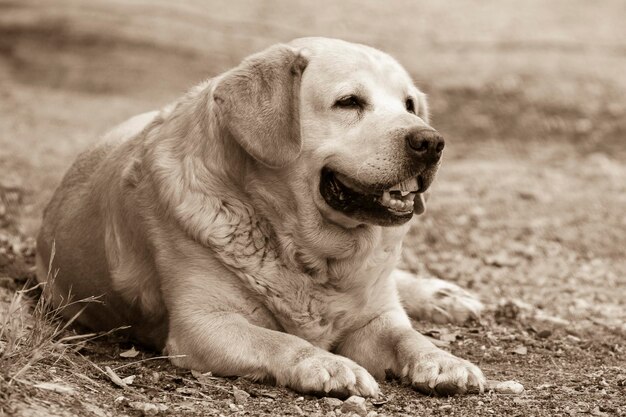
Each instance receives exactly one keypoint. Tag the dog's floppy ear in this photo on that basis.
(258, 103)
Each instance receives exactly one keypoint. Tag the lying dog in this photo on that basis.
(253, 226)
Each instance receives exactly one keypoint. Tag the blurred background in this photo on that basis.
(531, 97)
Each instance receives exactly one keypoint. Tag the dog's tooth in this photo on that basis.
(386, 198)
(403, 193)
(409, 185)
(405, 206)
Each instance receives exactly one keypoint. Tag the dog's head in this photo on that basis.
(342, 124)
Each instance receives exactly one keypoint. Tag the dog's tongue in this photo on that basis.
(419, 204)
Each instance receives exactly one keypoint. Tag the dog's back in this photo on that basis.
(77, 202)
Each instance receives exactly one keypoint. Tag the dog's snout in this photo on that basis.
(425, 142)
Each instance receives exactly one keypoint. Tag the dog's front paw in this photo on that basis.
(435, 371)
(437, 301)
(325, 373)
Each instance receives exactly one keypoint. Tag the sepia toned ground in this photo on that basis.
(528, 210)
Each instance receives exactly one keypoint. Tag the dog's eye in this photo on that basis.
(349, 102)
(410, 105)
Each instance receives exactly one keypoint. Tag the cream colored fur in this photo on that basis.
(201, 226)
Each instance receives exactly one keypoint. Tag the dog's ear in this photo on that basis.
(258, 103)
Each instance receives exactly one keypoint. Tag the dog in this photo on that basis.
(252, 227)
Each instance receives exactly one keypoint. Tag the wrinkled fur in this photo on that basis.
(201, 227)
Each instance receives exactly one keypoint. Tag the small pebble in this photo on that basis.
(544, 334)
(241, 396)
(148, 409)
(354, 404)
(506, 387)
(520, 350)
(573, 338)
(332, 402)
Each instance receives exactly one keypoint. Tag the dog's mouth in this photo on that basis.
(380, 205)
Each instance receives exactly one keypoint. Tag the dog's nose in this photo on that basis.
(426, 142)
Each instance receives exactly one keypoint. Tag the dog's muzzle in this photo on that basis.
(388, 204)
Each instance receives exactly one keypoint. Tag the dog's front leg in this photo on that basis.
(389, 343)
(228, 345)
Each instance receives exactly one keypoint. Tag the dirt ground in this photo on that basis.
(528, 210)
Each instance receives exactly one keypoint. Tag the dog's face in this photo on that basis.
(367, 152)
(367, 147)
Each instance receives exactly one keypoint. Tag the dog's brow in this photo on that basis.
(345, 89)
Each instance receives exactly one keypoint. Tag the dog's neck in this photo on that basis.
(309, 242)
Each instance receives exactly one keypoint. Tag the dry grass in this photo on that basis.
(33, 331)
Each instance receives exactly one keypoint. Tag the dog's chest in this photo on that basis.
(322, 305)
(350, 294)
